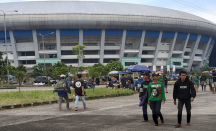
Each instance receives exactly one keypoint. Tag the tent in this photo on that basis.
(138, 68)
(113, 72)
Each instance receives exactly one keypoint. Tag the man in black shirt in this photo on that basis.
(165, 82)
(214, 80)
(78, 89)
(185, 92)
(143, 92)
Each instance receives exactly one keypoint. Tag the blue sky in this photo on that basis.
(206, 4)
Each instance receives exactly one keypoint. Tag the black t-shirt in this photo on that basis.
(214, 77)
(165, 80)
(78, 87)
(143, 88)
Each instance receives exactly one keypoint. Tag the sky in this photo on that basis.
(172, 4)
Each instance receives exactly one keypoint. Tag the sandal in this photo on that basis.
(155, 125)
(178, 125)
(144, 120)
(76, 109)
(85, 108)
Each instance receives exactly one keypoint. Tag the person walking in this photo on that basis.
(203, 80)
(143, 95)
(214, 80)
(63, 89)
(156, 96)
(165, 81)
(185, 93)
(161, 79)
(97, 81)
(211, 82)
(192, 77)
(78, 89)
(129, 81)
(196, 82)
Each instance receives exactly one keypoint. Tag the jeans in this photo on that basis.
(156, 107)
(188, 109)
(144, 108)
(91, 85)
(60, 101)
(204, 87)
(83, 101)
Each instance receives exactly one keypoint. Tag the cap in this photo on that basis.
(154, 74)
(146, 73)
(62, 75)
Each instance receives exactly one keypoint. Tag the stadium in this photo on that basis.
(129, 33)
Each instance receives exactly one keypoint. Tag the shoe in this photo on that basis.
(178, 125)
(75, 108)
(69, 108)
(166, 92)
(155, 125)
(60, 109)
(85, 108)
(188, 124)
(162, 121)
(144, 120)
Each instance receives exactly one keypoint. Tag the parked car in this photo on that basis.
(43, 79)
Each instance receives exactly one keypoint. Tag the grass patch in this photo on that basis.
(14, 97)
(171, 82)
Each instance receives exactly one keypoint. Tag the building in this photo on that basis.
(128, 33)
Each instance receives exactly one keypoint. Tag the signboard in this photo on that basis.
(174, 69)
(162, 68)
(154, 68)
(168, 68)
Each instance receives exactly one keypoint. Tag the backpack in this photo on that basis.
(60, 87)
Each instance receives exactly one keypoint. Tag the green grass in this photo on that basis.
(171, 82)
(14, 97)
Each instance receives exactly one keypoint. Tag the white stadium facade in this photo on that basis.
(128, 33)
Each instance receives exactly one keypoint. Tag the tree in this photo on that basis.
(20, 75)
(22, 68)
(205, 68)
(49, 72)
(114, 65)
(3, 64)
(60, 68)
(79, 51)
(38, 70)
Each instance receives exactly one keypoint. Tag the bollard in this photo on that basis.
(31, 104)
(0, 108)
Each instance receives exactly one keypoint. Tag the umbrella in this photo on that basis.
(138, 68)
(159, 72)
(113, 72)
(206, 71)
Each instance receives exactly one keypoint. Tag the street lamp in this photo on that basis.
(43, 45)
(4, 12)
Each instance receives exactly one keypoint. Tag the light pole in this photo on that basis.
(43, 45)
(4, 12)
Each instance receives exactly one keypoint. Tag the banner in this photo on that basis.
(168, 68)
(162, 68)
(154, 68)
(174, 69)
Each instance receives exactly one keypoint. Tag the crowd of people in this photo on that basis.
(152, 93)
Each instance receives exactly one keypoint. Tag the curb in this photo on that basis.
(63, 101)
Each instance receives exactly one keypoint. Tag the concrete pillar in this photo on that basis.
(58, 44)
(123, 45)
(157, 48)
(205, 52)
(102, 46)
(185, 45)
(172, 47)
(13, 44)
(141, 44)
(81, 43)
(35, 41)
(193, 53)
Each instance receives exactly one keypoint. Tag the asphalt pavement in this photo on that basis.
(110, 114)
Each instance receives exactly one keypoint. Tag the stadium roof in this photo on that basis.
(93, 7)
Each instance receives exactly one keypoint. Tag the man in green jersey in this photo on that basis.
(161, 79)
(156, 96)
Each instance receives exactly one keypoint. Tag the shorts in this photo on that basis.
(166, 86)
(213, 85)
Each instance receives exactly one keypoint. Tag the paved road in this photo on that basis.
(111, 114)
(37, 88)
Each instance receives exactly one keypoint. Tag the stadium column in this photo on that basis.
(58, 44)
(123, 45)
(13, 48)
(157, 48)
(35, 41)
(185, 45)
(172, 47)
(195, 46)
(102, 46)
(141, 43)
(205, 52)
(81, 43)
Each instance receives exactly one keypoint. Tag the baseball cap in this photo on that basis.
(154, 74)
(146, 73)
